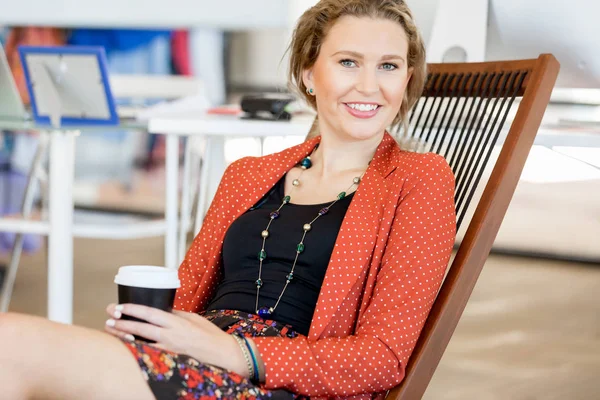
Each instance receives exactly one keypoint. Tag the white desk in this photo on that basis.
(59, 227)
(214, 128)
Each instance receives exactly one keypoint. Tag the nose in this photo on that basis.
(367, 82)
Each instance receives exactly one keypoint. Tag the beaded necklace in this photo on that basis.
(306, 163)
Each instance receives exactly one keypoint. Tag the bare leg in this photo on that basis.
(45, 360)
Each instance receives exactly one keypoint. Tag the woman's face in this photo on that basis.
(360, 77)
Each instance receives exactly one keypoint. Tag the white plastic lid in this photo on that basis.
(147, 276)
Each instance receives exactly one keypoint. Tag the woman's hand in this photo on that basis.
(178, 332)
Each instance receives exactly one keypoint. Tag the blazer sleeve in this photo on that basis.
(192, 271)
(412, 268)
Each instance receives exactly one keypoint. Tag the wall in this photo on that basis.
(256, 56)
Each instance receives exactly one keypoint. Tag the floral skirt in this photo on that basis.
(177, 376)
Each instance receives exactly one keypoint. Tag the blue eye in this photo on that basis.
(389, 67)
(348, 63)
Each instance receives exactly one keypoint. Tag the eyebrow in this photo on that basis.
(355, 54)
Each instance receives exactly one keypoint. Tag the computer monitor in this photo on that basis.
(11, 106)
(518, 29)
(68, 85)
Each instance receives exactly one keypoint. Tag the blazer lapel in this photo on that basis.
(262, 174)
(357, 237)
(272, 168)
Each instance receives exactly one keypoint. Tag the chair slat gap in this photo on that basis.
(478, 136)
(451, 143)
(470, 102)
(440, 135)
(437, 100)
(432, 137)
(434, 79)
(466, 138)
(500, 97)
(516, 89)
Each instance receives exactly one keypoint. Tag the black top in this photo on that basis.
(243, 241)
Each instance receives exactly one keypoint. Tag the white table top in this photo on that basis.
(13, 124)
(189, 124)
(199, 123)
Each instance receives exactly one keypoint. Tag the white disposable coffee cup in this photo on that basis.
(147, 285)
(147, 276)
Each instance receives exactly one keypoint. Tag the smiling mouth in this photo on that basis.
(364, 107)
(362, 110)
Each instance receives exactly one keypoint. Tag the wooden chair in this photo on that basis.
(461, 116)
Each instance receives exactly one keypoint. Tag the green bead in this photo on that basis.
(341, 195)
(262, 255)
(306, 163)
(286, 199)
(300, 247)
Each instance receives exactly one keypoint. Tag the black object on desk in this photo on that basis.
(270, 107)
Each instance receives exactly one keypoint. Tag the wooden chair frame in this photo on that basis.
(535, 90)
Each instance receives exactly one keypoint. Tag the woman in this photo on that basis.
(339, 243)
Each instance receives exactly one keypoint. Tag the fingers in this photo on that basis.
(148, 331)
(161, 346)
(112, 311)
(121, 335)
(181, 313)
(151, 315)
(187, 315)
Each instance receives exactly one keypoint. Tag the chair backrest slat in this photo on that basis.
(487, 101)
(461, 115)
(484, 150)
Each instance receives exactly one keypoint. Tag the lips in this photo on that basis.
(362, 110)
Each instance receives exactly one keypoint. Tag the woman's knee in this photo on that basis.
(18, 332)
(15, 322)
(12, 341)
(11, 329)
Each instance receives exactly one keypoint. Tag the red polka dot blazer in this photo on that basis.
(385, 270)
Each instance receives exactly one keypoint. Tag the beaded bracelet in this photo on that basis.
(255, 376)
(242, 343)
(260, 371)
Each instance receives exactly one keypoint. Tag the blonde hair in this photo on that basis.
(313, 26)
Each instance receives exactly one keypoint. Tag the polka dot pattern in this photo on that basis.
(384, 273)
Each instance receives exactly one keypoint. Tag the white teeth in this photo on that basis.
(363, 107)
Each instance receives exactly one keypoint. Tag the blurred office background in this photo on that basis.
(532, 327)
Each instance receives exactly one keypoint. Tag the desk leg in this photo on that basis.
(217, 164)
(203, 186)
(186, 189)
(213, 166)
(60, 240)
(172, 193)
